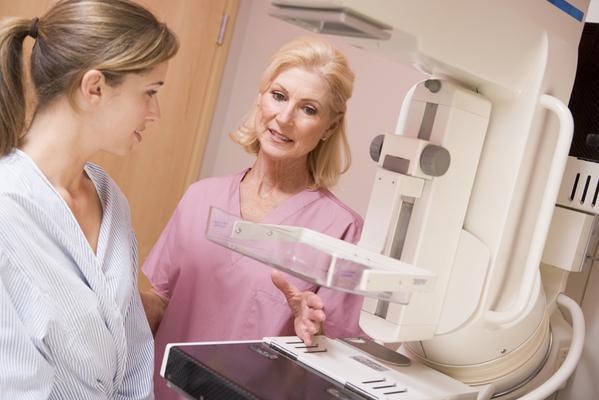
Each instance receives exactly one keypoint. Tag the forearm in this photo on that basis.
(154, 306)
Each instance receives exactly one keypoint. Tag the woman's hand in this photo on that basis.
(307, 307)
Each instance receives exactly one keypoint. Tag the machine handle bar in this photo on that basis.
(531, 269)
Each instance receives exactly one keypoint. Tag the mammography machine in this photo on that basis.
(470, 231)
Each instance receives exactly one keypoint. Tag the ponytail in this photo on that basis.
(12, 96)
(116, 37)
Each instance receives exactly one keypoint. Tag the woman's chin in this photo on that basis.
(275, 151)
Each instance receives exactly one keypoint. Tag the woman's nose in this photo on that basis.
(285, 114)
(154, 110)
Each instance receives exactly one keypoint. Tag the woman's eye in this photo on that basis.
(310, 110)
(278, 96)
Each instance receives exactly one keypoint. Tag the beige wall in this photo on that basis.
(379, 89)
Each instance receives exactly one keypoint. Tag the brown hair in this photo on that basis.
(332, 157)
(116, 37)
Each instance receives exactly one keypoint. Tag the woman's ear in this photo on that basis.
(92, 86)
(333, 125)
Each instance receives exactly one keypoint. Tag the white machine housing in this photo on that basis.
(506, 70)
(426, 226)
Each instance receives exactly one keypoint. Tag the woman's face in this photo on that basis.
(129, 107)
(294, 115)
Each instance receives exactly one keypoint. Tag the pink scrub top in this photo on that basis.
(215, 294)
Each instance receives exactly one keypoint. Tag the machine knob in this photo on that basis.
(434, 85)
(376, 146)
(434, 160)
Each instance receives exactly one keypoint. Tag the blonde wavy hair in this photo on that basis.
(332, 157)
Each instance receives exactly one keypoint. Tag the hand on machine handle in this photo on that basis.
(307, 307)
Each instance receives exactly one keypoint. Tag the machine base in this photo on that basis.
(285, 368)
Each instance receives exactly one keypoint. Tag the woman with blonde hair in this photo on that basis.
(203, 292)
(72, 325)
(331, 157)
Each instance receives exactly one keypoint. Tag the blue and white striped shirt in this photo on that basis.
(72, 325)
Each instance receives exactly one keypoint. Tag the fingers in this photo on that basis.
(309, 321)
(306, 337)
(281, 283)
(307, 307)
(315, 316)
(312, 300)
(306, 330)
(312, 308)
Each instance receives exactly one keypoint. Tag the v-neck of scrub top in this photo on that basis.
(276, 216)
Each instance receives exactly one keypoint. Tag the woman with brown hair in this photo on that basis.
(72, 324)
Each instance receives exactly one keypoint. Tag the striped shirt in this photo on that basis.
(71, 322)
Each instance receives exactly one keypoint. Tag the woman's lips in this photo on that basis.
(277, 137)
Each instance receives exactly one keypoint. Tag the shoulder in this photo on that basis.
(17, 201)
(217, 182)
(325, 213)
(101, 177)
(11, 176)
(104, 183)
(339, 208)
(210, 188)
(110, 194)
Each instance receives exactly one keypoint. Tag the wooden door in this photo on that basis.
(156, 175)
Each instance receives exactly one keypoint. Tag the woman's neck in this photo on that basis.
(277, 176)
(55, 143)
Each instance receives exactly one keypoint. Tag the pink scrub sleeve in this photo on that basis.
(158, 264)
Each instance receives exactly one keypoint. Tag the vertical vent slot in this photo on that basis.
(586, 188)
(574, 187)
(382, 308)
(596, 193)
